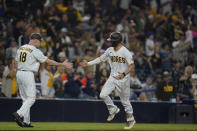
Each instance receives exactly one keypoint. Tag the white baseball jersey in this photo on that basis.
(29, 58)
(119, 60)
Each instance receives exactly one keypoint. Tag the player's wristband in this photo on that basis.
(124, 74)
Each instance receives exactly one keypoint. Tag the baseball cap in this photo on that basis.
(36, 36)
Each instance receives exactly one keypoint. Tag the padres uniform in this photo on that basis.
(28, 58)
(119, 62)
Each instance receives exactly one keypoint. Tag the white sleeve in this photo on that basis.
(104, 56)
(129, 57)
(95, 61)
(39, 56)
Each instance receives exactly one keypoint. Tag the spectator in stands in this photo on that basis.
(65, 38)
(86, 25)
(72, 56)
(58, 82)
(2, 58)
(135, 84)
(46, 78)
(74, 16)
(62, 56)
(166, 58)
(184, 82)
(72, 88)
(139, 21)
(89, 85)
(166, 89)
(98, 29)
(79, 5)
(180, 50)
(177, 71)
(134, 43)
(11, 51)
(2, 52)
(149, 90)
(89, 57)
(123, 27)
(47, 43)
(150, 24)
(158, 80)
(162, 32)
(9, 85)
(150, 45)
(141, 64)
(193, 87)
(63, 23)
(155, 59)
(1, 71)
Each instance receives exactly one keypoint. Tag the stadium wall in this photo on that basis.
(70, 110)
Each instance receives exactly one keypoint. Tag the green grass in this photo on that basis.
(68, 126)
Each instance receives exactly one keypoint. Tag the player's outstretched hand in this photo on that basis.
(67, 64)
(83, 63)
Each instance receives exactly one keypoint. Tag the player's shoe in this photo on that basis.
(111, 116)
(27, 125)
(129, 125)
(18, 119)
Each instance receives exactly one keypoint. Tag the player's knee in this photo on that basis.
(102, 95)
(125, 103)
(31, 100)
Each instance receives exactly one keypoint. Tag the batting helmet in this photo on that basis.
(115, 37)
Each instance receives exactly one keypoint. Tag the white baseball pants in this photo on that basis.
(123, 88)
(27, 89)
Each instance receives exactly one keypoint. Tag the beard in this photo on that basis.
(114, 44)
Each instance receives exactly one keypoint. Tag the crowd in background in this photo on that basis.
(161, 34)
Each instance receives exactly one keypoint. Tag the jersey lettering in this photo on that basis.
(26, 49)
(118, 59)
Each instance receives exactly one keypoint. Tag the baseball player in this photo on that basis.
(28, 60)
(121, 63)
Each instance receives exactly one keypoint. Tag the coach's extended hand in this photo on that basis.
(67, 64)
